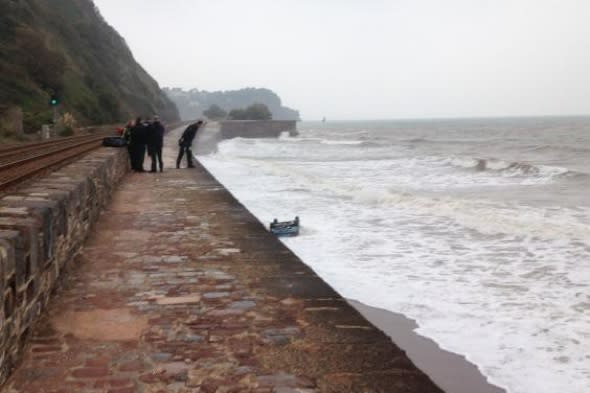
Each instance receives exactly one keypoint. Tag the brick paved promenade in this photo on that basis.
(180, 289)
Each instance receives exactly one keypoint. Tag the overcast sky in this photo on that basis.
(371, 59)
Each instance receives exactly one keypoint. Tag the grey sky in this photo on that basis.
(353, 59)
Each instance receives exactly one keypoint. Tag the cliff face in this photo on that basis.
(65, 47)
(192, 103)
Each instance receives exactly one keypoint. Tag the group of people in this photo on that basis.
(145, 135)
(142, 135)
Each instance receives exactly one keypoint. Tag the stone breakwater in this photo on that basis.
(215, 132)
(42, 227)
(257, 128)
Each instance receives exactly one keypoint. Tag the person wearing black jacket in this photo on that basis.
(185, 142)
(127, 137)
(137, 145)
(155, 144)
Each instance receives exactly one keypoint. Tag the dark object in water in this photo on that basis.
(114, 141)
(285, 228)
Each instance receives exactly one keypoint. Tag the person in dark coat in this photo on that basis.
(127, 137)
(137, 145)
(185, 142)
(155, 144)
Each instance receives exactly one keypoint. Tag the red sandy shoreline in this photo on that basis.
(451, 372)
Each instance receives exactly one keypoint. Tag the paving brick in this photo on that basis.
(122, 390)
(49, 348)
(132, 366)
(100, 363)
(90, 372)
(120, 382)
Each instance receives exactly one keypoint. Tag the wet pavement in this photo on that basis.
(180, 289)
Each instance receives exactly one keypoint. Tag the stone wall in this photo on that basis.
(42, 227)
(215, 132)
(257, 128)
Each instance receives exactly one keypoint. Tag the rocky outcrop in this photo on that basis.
(66, 50)
(191, 104)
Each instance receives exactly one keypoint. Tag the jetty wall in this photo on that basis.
(42, 227)
(257, 128)
(215, 132)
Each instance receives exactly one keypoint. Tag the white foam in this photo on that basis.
(534, 173)
(502, 283)
(333, 142)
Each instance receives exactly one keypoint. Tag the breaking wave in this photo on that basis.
(508, 168)
(426, 221)
(563, 148)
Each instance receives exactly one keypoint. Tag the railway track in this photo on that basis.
(21, 162)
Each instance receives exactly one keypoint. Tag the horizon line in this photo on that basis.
(484, 117)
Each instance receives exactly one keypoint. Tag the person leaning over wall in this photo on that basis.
(185, 142)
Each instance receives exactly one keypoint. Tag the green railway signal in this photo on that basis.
(53, 101)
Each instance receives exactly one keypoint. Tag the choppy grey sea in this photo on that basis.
(479, 229)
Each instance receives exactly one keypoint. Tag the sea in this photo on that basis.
(478, 229)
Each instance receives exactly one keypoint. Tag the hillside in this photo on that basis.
(65, 47)
(192, 103)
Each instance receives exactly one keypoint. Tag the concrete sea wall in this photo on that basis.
(42, 227)
(257, 128)
(180, 288)
(215, 132)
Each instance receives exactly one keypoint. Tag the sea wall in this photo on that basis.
(42, 227)
(257, 128)
(215, 132)
(212, 302)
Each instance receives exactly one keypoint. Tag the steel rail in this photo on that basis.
(28, 145)
(32, 151)
(20, 147)
(18, 170)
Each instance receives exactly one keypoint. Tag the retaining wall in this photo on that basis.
(42, 227)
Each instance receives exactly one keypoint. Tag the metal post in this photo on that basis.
(45, 131)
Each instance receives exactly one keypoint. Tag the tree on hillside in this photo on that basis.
(44, 66)
(215, 112)
(253, 112)
(237, 114)
(258, 112)
(192, 102)
(65, 47)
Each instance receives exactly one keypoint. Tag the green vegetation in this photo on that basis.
(191, 104)
(256, 111)
(215, 112)
(67, 131)
(65, 49)
(7, 137)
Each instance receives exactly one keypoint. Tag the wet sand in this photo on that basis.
(451, 372)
